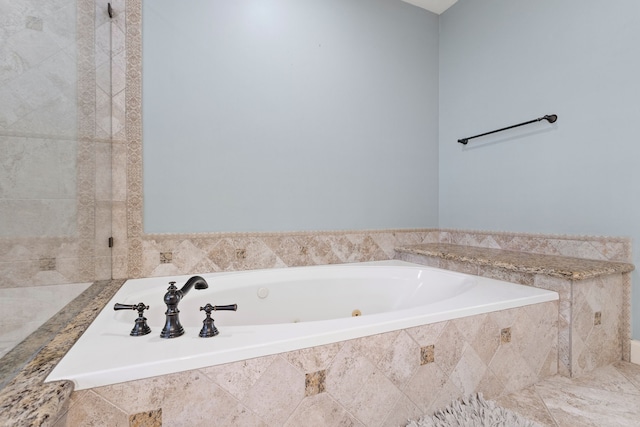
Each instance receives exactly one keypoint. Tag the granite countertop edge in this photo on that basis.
(522, 262)
(26, 400)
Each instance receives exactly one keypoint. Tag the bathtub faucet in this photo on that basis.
(172, 327)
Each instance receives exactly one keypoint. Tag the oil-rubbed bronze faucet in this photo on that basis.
(172, 327)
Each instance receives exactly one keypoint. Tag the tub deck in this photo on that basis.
(106, 354)
(44, 402)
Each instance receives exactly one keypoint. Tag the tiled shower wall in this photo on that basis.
(55, 135)
(379, 380)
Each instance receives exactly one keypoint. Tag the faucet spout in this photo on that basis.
(194, 282)
(172, 326)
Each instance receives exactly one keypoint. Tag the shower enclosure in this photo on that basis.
(56, 131)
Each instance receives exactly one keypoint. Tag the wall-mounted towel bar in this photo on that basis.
(551, 118)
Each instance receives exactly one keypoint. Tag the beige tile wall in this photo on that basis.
(378, 380)
(583, 344)
(589, 247)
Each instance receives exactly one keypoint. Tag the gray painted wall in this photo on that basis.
(303, 115)
(506, 61)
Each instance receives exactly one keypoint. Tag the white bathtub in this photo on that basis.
(303, 307)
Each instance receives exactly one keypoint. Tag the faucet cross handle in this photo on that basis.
(141, 328)
(208, 328)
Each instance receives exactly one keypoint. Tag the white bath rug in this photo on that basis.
(473, 411)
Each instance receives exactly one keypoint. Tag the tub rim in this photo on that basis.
(310, 334)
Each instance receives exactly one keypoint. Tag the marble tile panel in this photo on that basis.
(375, 400)
(31, 47)
(505, 318)
(403, 411)
(387, 242)
(256, 254)
(512, 369)
(118, 78)
(447, 394)
(314, 358)
(241, 416)
(527, 403)
(366, 247)
(469, 372)
(487, 339)
(540, 343)
(613, 251)
(374, 347)
(426, 335)
(609, 377)
(321, 410)
(103, 232)
(102, 267)
(424, 386)
(135, 396)
(342, 248)
(596, 345)
(574, 405)
(346, 375)
(400, 362)
(276, 408)
(490, 385)
(238, 378)
(118, 118)
(103, 116)
(91, 409)
(449, 348)
(297, 250)
(186, 256)
(118, 173)
(470, 326)
(46, 218)
(200, 393)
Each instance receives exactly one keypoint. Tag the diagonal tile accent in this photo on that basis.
(366, 381)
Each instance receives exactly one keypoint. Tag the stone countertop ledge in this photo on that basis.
(521, 262)
(25, 400)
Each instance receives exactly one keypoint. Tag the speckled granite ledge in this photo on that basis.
(25, 400)
(521, 262)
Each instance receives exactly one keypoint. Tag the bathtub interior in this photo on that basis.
(25, 309)
(106, 354)
(298, 294)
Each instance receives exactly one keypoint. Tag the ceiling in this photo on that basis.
(435, 6)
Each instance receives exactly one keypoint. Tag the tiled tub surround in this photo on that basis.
(372, 381)
(25, 399)
(594, 315)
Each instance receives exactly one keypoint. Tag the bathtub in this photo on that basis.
(279, 310)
